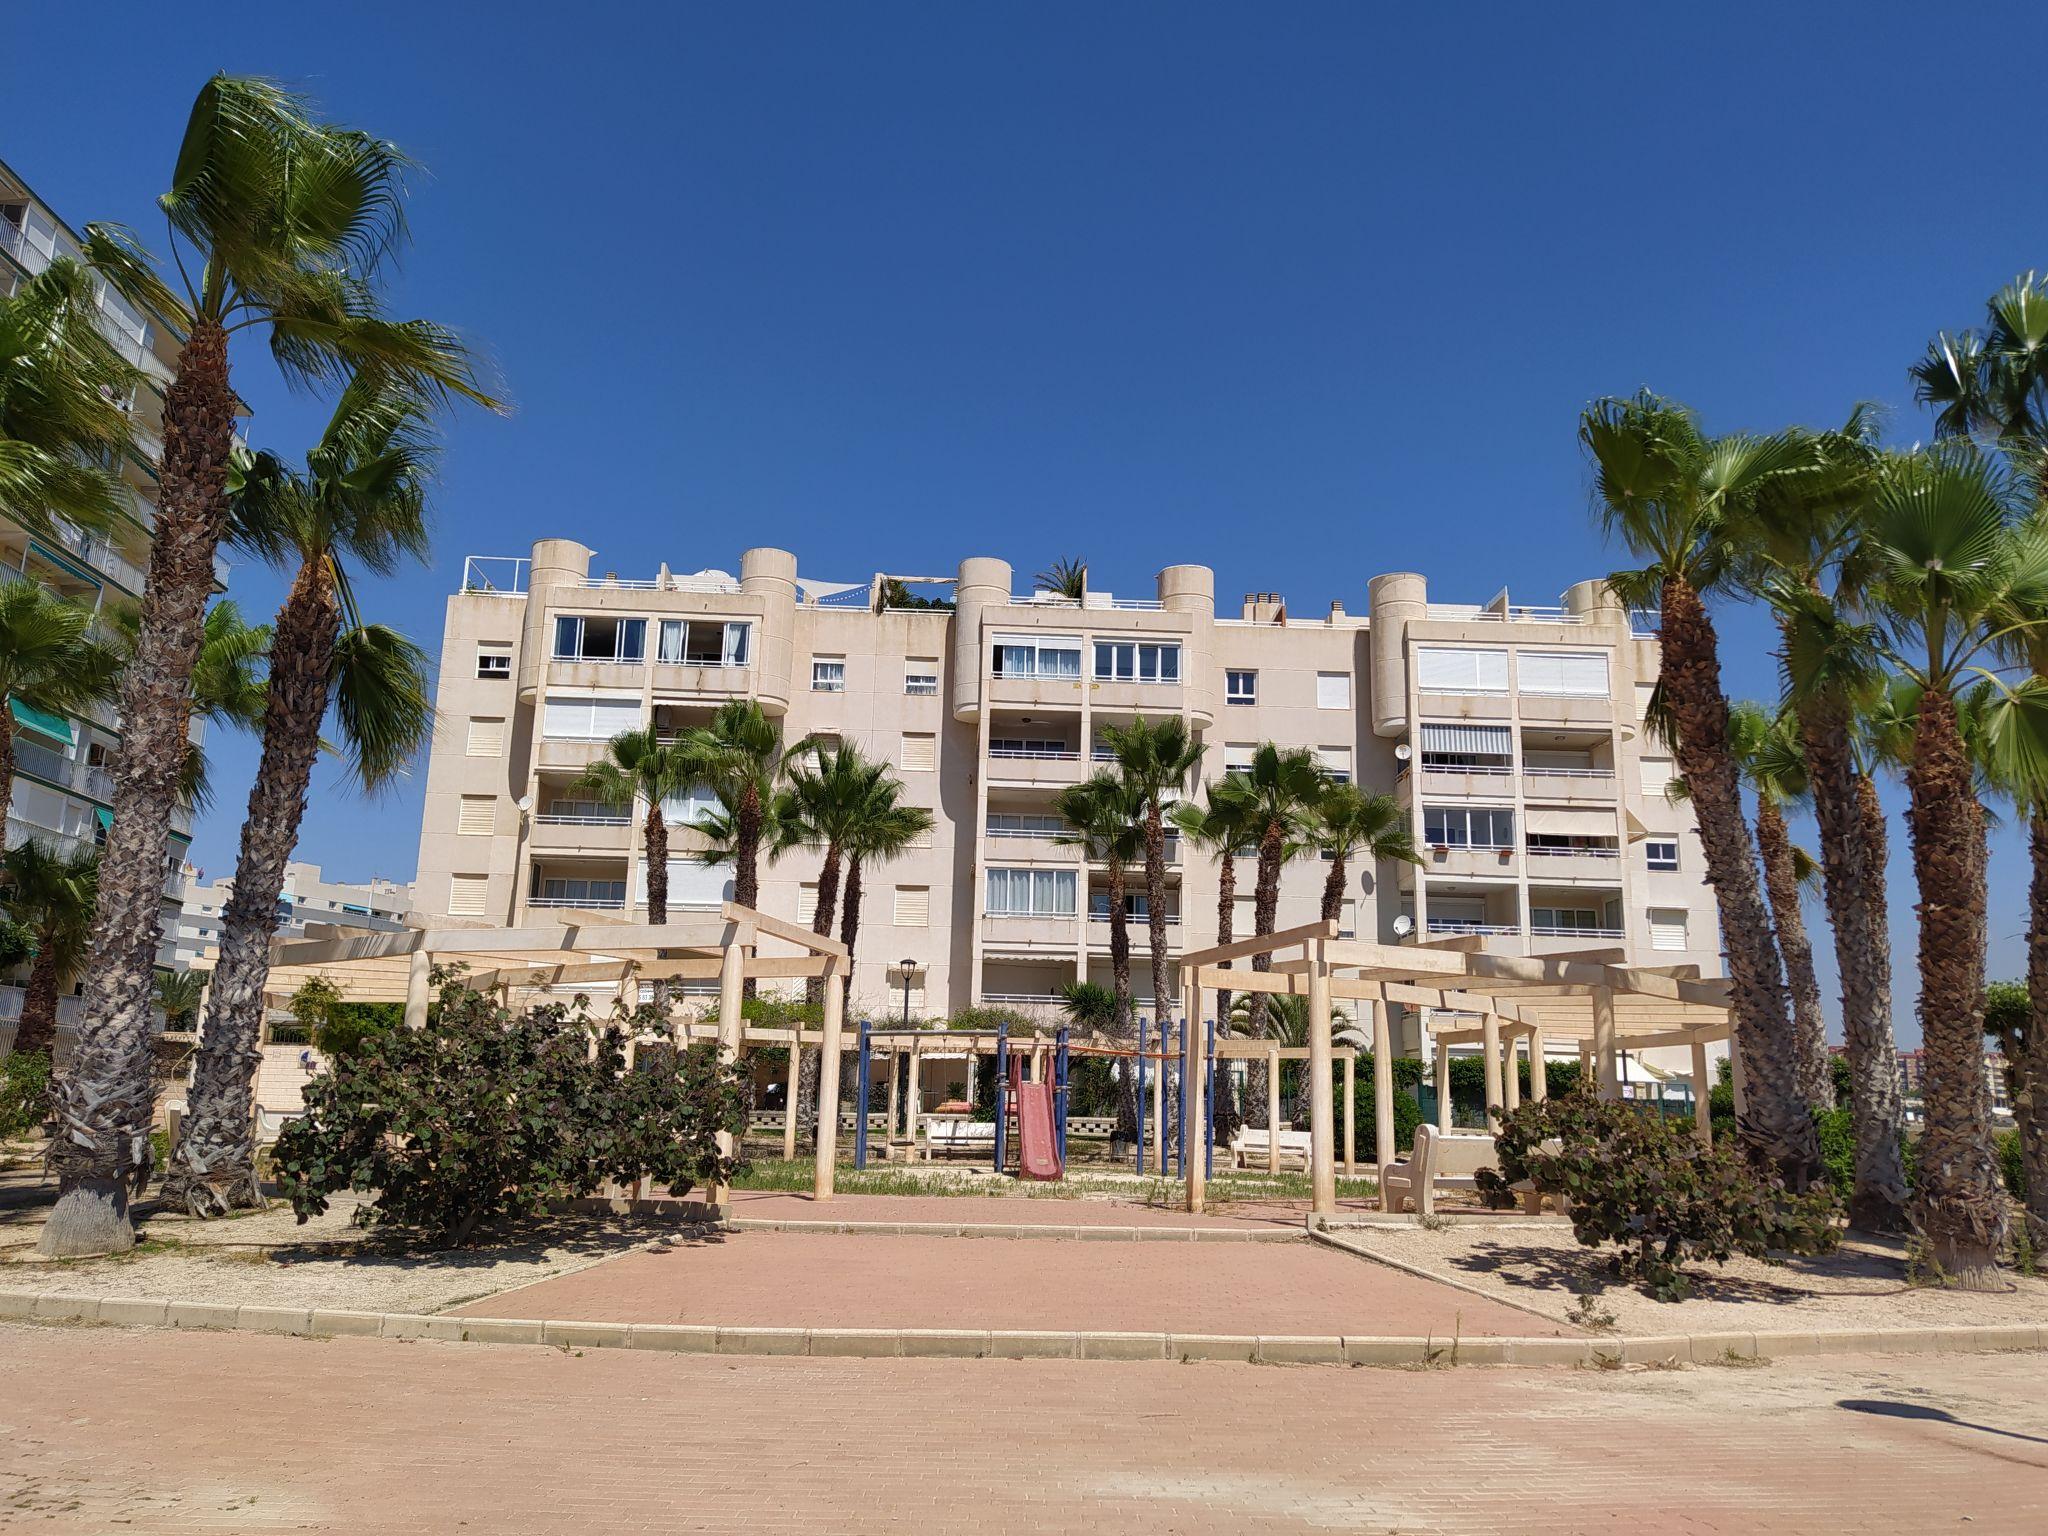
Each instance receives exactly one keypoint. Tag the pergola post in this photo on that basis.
(1382, 1089)
(912, 1095)
(419, 986)
(1604, 1057)
(732, 976)
(1443, 1087)
(1159, 1036)
(1702, 1110)
(1736, 1080)
(1191, 1085)
(795, 1077)
(895, 1094)
(1539, 1082)
(1272, 1109)
(1489, 1048)
(1350, 1112)
(1321, 1111)
(1511, 1075)
(828, 1083)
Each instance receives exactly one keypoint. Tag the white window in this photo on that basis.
(913, 906)
(599, 637)
(920, 751)
(1460, 669)
(466, 895)
(1555, 920)
(703, 642)
(1128, 661)
(1031, 892)
(1566, 674)
(921, 676)
(1023, 824)
(1667, 928)
(1238, 755)
(493, 661)
(486, 736)
(1347, 920)
(1661, 853)
(580, 891)
(828, 674)
(1657, 776)
(1336, 762)
(807, 902)
(1051, 656)
(1241, 687)
(691, 808)
(478, 816)
(1333, 690)
(587, 717)
(1468, 826)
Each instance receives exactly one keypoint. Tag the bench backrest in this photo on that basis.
(1460, 1155)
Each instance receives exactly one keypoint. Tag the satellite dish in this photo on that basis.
(525, 803)
(1403, 926)
(1402, 753)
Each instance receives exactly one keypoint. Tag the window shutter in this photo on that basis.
(479, 816)
(913, 906)
(1644, 691)
(486, 737)
(466, 895)
(922, 839)
(1460, 669)
(920, 752)
(1657, 776)
(1237, 756)
(1335, 761)
(807, 902)
(1333, 690)
(1571, 674)
(691, 884)
(1667, 928)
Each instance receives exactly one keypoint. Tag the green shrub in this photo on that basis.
(2011, 1166)
(1645, 1184)
(1837, 1128)
(24, 1092)
(483, 1113)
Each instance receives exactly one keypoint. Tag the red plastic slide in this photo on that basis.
(1038, 1154)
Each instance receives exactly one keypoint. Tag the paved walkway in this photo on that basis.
(806, 1280)
(995, 1210)
(148, 1431)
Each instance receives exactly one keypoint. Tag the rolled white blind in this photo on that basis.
(466, 895)
(1559, 822)
(1573, 674)
(1479, 740)
(690, 884)
(1333, 690)
(920, 751)
(807, 901)
(1460, 669)
(913, 906)
(1657, 776)
(581, 717)
(1667, 928)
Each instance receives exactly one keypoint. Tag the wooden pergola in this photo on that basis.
(592, 949)
(1515, 999)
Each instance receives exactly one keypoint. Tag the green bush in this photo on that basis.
(1646, 1185)
(1837, 1128)
(24, 1093)
(483, 1113)
(2010, 1164)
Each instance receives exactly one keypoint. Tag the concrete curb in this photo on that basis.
(1007, 1344)
(1336, 1239)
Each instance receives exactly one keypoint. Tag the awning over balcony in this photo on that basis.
(1558, 822)
(1481, 740)
(29, 718)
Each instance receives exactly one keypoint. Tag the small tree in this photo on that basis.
(1650, 1188)
(483, 1113)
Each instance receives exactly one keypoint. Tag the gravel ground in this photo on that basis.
(1862, 1286)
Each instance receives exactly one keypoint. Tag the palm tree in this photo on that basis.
(1958, 574)
(1066, 578)
(61, 419)
(831, 789)
(360, 503)
(1671, 494)
(1348, 823)
(1286, 1025)
(1088, 1006)
(179, 994)
(229, 686)
(1156, 760)
(739, 755)
(49, 661)
(286, 221)
(1279, 793)
(1103, 819)
(1768, 757)
(884, 830)
(1220, 825)
(639, 766)
(50, 894)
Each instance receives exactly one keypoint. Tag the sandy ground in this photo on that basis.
(1862, 1286)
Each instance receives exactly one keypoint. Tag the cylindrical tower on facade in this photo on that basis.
(770, 575)
(1392, 601)
(557, 563)
(1191, 589)
(984, 582)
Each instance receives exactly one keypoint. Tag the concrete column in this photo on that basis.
(1351, 1112)
(895, 1094)
(1702, 1111)
(794, 1074)
(1158, 1091)
(732, 975)
(1608, 1064)
(1443, 1086)
(419, 988)
(1489, 1047)
(1383, 1089)
(828, 1086)
(1511, 1077)
(1539, 1083)
(1322, 1091)
(1272, 1109)
(1197, 1105)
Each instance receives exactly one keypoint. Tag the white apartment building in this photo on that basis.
(62, 793)
(1512, 735)
(374, 906)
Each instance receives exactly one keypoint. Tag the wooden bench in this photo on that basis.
(969, 1137)
(1252, 1149)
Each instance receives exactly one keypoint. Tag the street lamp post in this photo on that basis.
(906, 966)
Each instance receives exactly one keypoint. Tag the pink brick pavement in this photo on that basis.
(155, 1431)
(788, 1279)
(997, 1210)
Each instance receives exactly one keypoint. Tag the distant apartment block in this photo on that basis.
(308, 897)
(1913, 1080)
(1512, 736)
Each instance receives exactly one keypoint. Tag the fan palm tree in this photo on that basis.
(739, 755)
(49, 661)
(1156, 760)
(50, 894)
(1220, 825)
(1103, 819)
(831, 789)
(229, 684)
(1768, 757)
(1286, 1025)
(1278, 795)
(278, 223)
(884, 830)
(1348, 823)
(1088, 1005)
(360, 504)
(1066, 578)
(638, 766)
(179, 994)
(61, 387)
(1671, 495)
(1958, 575)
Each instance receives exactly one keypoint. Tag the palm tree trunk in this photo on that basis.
(2029, 1064)
(849, 918)
(1155, 910)
(1265, 910)
(6, 755)
(1120, 981)
(37, 1028)
(1960, 1207)
(107, 1095)
(1333, 890)
(1776, 1127)
(654, 832)
(213, 1170)
(1781, 884)
(1852, 881)
(1223, 1112)
(822, 914)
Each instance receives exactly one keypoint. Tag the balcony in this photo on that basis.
(1468, 782)
(1571, 786)
(1035, 766)
(1574, 864)
(596, 834)
(570, 754)
(1467, 860)
(1459, 927)
(1012, 933)
(1140, 934)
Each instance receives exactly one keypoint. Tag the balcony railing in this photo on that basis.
(1573, 853)
(1137, 920)
(551, 819)
(1038, 754)
(587, 903)
(1526, 613)
(1569, 773)
(1550, 931)
(1461, 925)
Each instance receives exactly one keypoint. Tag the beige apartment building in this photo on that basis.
(1512, 735)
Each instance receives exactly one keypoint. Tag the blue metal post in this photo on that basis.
(1142, 1026)
(1208, 1098)
(1059, 1096)
(860, 1119)
(1002, 1091)
(1181, 1138)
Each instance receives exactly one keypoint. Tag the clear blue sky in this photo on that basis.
(1304, 292)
